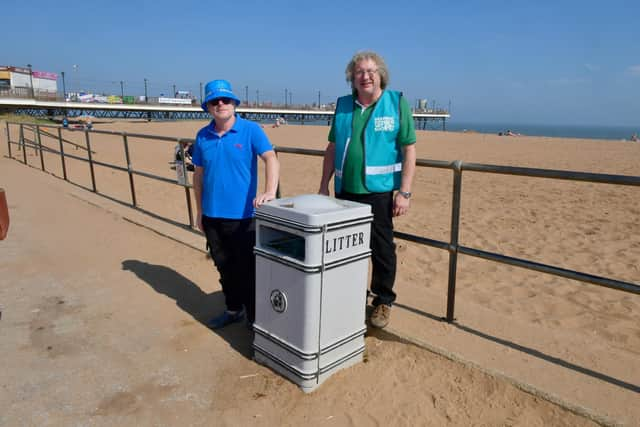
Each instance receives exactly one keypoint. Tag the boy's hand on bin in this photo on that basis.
(263, 198)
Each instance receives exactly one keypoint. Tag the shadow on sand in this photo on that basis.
(519, 347)
(192, 300)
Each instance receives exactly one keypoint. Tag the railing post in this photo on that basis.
(8, 139)
(453, 245)
(64, 165)
(128, 158)
(20, 137)
(183, 165)
(35, 145)
(189, 208)
(24, 147)
(93, 175)
(40, 146)
(275, 150)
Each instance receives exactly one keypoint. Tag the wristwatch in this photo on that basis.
(405, 194)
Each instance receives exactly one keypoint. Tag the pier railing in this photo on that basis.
(457, 167)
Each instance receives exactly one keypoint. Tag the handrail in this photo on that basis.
(555, 174)
(458, 167)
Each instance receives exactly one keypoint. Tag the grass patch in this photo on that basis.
(19, 118)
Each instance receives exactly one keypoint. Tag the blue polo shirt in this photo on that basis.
(230, 163)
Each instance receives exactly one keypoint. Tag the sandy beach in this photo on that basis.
(102, 304)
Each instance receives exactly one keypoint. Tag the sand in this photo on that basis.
(102, 304)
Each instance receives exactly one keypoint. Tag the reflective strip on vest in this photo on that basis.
(381, 170)
(338, 172)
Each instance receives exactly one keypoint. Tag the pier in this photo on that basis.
(58, 109)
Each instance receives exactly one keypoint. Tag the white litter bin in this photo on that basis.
(312, 260)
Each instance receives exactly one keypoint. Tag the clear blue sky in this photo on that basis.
(546, 62)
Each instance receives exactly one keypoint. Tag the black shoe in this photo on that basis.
(225, 319)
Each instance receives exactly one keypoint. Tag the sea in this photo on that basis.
(617, 133)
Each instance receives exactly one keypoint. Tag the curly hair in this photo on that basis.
(383, 71)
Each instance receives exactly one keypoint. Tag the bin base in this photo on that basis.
(307, 385)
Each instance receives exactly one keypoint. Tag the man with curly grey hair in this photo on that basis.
(372, 154)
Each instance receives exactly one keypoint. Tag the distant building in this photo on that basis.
(23, 83)
(183, 94)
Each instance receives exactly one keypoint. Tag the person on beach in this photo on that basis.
(225, 183)
(371, 151)
(280, 121)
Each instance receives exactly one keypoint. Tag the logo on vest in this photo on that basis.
(384, 124)
(344, 242)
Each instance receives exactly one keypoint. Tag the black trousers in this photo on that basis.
(231, 243)
(383, 249)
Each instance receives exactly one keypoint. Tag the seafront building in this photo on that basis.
(20, 82)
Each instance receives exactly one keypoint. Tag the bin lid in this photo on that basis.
(314, 209)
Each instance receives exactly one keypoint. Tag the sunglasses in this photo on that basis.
(225, 101)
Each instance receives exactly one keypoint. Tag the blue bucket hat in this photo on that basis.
(218, 89)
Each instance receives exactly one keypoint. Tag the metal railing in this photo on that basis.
(457, 167)
(36, 143)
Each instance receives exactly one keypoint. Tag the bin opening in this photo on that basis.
(287, 244)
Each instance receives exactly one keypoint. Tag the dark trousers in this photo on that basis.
(383, 249)
(231, 243)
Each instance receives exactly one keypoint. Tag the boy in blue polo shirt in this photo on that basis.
(225, 184)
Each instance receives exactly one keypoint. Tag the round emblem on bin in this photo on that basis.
(278, 301)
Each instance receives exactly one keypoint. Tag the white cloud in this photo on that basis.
(591, 67)
(634, 70)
